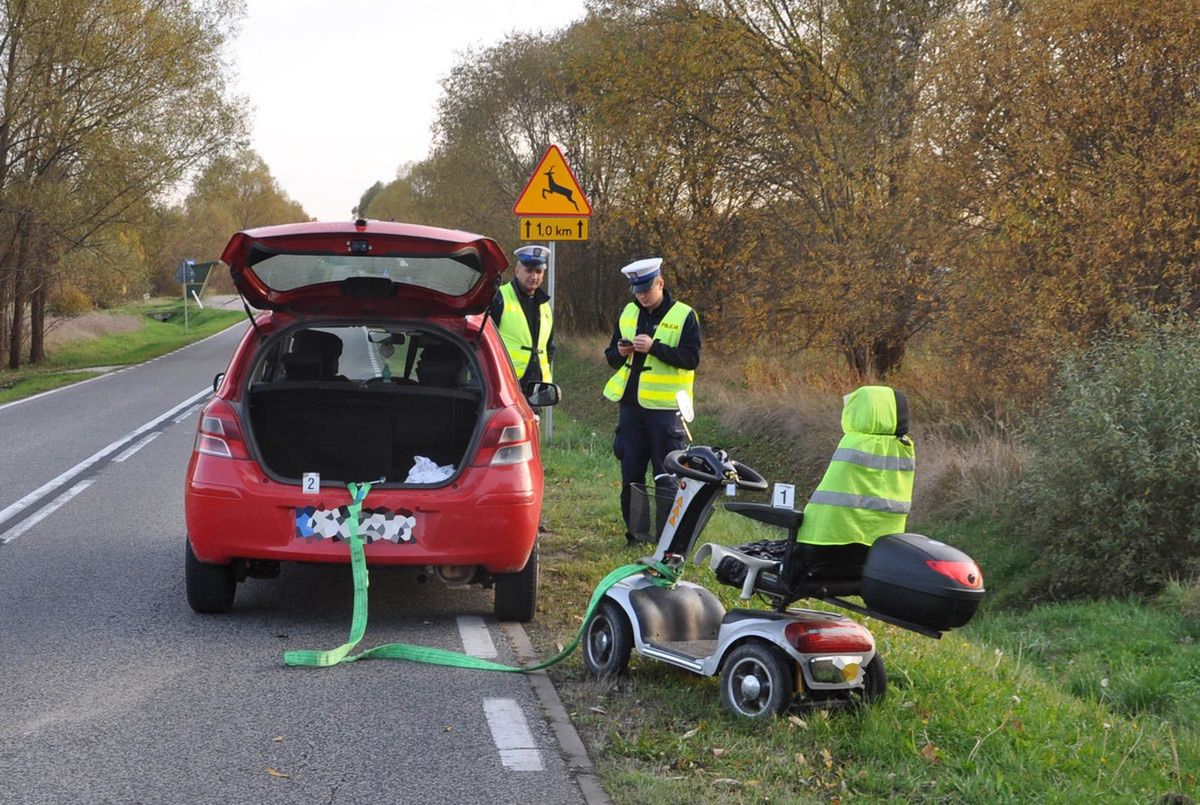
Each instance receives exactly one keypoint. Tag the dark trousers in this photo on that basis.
(645, 436)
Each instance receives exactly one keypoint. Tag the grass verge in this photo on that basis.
(1053, 705)
(63, 367)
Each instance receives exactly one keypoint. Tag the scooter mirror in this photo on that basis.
(686, 409)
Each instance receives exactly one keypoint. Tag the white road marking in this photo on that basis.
(372, 354)
(131, 450)
(511, 734)
(16, 508)
(45, 511)
(476, 639)
(186, 414)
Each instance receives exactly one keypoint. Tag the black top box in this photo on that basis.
(920, 580)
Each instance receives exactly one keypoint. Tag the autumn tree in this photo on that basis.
(105, 104)
(364, 202)
(1067, 148)
(828, 139)
(677, 183)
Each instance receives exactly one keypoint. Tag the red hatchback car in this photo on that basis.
(372, 360)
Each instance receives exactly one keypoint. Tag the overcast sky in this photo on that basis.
(343, 93)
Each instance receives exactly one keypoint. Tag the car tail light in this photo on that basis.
(965, 573)
(825, 637)
(506, 439)
(220, 432)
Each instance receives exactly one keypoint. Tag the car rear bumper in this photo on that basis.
(487, 517)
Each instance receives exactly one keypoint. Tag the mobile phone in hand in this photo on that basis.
(625, 342)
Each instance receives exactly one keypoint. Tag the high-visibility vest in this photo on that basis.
(867, 491)
(658, 382)
(514, 332)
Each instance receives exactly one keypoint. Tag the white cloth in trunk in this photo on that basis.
(426, 471)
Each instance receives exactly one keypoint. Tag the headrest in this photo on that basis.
(298, 366)
(440, 365)
(317, 342)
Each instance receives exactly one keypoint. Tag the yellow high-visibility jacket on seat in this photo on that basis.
(867, 491)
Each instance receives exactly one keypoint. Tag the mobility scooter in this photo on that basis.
(770, 659)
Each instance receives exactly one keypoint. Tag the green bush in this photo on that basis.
(1111, 492)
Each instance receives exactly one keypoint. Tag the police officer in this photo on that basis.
(655, 349)
(521, 310)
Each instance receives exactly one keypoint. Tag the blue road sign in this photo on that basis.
(186, 272)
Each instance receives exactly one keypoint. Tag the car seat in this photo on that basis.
(314, 356)
(827, 543)
(442, 365)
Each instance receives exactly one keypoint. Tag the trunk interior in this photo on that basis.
(362, 419)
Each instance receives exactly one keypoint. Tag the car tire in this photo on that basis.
(607, 641)
(757, 680)
(516, 593)
(210, 588)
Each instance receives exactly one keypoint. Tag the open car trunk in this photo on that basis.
(384, 401)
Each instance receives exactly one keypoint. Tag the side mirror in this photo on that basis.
(217, 381)
(541, 395)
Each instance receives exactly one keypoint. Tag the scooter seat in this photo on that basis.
(764, 513)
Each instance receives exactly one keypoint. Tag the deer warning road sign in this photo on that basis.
(552, 190)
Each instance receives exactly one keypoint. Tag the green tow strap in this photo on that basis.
(437, 656)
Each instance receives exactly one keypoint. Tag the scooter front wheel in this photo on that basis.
(607, 641)
(757, 680)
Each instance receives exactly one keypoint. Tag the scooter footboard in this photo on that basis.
(678, 614)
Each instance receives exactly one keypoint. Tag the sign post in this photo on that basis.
(552, 207)
(185, 273)
(193, 278)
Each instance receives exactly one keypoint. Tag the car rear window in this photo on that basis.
(449, 275)
(362, 353)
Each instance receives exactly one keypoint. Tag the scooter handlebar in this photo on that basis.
(748, 477)
(711, 466)
(702, 464)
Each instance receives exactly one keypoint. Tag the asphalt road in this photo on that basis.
(112, 690)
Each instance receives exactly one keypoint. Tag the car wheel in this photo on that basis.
(516, 593)
(210, 588)
(607, 641)
(757, 680)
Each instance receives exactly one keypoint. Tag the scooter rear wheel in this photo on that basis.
(757, 680)
(607, 641)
